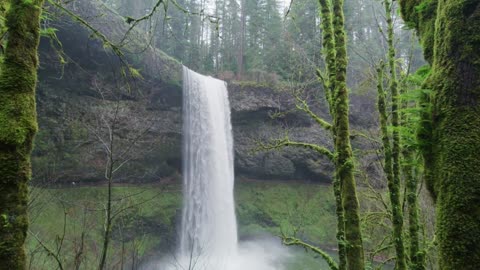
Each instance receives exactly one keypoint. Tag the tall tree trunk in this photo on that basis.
(329, 83)
(394, 180)
(18, 125)
(411, 182)
(344, 156)
(108, 222)
(450, 36)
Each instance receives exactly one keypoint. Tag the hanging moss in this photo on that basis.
(452, 159)
(17, 127)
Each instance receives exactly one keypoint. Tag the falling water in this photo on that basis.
(208, 233)
(209, 227)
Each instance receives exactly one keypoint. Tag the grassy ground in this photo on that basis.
(305, 209)
(146, 218)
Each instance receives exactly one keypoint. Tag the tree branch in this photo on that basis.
(48, 250)
(116, 49)
(303, 106)
(292, 241)
(280, 143)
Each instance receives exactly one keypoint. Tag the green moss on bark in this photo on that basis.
(344, 165)
(394, 179)
(452, 159)
(420, 14)
(417, 261)
(328, 44)
(17, 127)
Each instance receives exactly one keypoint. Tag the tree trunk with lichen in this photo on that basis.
(411, 187)
(18, 125)
(329, 47)
(344, 164)
(449, 33)
(394, 179)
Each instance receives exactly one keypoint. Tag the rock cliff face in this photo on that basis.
(84, 104)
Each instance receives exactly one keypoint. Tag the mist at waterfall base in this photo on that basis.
(261, 254)
(208, 233)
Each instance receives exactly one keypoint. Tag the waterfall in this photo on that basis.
(208, 232)
(209, 227)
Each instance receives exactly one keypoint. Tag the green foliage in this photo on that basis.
(422, 6)
(4, 5)
(449, 33)
(141, 212)
(420, 15)
(149, 221)
(413, 131)
(284, 207)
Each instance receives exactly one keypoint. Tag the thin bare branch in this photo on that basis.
(48, 250)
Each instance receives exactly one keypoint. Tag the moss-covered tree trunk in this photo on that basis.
(411, 187)
(382, 112)
(344, 164)
(328, 41)
(388, 167)
(18, 77)
(449, 31)
(394, 179)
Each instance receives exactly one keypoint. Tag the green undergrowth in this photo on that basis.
(304, 210)
(148, 217)
(145, 221)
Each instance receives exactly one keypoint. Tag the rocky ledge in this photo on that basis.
(86, 102)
